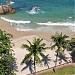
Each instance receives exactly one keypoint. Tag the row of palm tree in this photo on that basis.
(60, 43)
(36, 48)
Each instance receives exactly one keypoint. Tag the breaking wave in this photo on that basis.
(19, 29)
(57, 24)
(12, 2)
(15, 21)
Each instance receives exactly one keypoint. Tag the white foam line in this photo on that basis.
(12, 2)
(23, 29)
(57, 24)
(15, 21)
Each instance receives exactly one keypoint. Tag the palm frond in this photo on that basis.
(53, 46)
(43, 44)
(29, 42)
(65, 36)
(37, 59)
(37, 41)
(42, 54)
(25, 46)
(28, 56)
(61, 52)
(44, 48)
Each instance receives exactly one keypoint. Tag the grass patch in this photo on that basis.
(67, 70)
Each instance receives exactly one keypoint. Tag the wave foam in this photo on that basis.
(34, 10)
(12, 2)
(15, 21)
(57, 24)
(19, 29)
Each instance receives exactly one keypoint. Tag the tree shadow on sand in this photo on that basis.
(73, 56)
(62, 57)
(29, 64)
(14, 65)
(46, 59)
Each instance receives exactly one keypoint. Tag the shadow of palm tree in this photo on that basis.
(73, 56)
(62, 57)
(14, 66)
(46, 60)
(29, 64)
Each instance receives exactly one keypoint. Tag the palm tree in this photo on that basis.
(35, 49)
(61, 43)
(72, 44)
(72, 49)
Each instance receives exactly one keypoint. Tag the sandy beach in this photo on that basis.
(20, 37)
(45, 35)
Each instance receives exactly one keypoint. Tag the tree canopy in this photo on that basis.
(35, 49)
(6, 56)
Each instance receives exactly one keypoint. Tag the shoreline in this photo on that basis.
(6, 26)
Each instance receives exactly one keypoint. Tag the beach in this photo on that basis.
(20, 37)
(38, 19)
(43, 34)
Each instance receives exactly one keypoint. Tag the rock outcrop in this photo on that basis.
(5, 9)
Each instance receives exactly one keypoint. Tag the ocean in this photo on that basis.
(48, 13)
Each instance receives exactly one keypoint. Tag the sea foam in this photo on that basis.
(15, 21)
(57, 24)
(20, 29)
(12, 2)
(34, 10)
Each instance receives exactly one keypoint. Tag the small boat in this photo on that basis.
(34, 10)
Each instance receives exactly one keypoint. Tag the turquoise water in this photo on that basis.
(53, 11)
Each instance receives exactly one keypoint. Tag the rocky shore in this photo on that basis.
(6, 9)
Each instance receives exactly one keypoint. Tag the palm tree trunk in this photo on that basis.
(34, 67)
(56, 59)
(55, 63)
(48, 65)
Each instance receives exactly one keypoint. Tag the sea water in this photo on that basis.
(50, 13)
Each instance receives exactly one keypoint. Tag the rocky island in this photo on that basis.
(6, 9)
